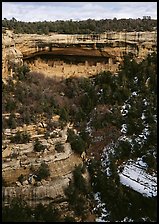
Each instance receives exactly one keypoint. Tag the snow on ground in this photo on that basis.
(143, 116)
(155, 118)
(125, 108)
(125, 138)
(145, 102)
(133, 174)
(101, 206)
(104, 213)
(134, 93)
(109, 149)
(135, 177)
(123, 128)
(89, 128)
(136, 79)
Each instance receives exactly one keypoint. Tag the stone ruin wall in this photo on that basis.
(14, 46)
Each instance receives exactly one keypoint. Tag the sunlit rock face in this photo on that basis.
(10, 54)
(21, 159)
(109, 46)
(114, 43)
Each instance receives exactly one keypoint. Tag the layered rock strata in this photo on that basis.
(110, 45)
(116, 41)
(10, 54)
(21, 159)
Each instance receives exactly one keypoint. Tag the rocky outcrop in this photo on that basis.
(21, 159)
(10, 54)
(109, 46)
(83, 51)
(45, 193)
(118, 41)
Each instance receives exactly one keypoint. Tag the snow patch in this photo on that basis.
(143, 116)
(125, 108)
(145, 102)
(135, 177)
(123, 128)
(135, 79)
(101, 206)
(134, 93)
(88, 128)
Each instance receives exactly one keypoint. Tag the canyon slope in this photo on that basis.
(59, 89)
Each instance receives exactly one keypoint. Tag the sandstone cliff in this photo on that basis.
(117, 40)
(10, 54)
(110, 45)
(21, 159)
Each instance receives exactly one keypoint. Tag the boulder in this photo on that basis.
(25, 182)
(18, 184)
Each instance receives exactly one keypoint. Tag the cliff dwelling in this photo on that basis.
(64, 55)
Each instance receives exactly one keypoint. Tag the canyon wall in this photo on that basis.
(10, 54)
(18, 159)
(16, 47)
(21, 159)
(112, 43)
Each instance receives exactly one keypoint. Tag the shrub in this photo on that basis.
(17, 211)
(59, 147)
(38, 147)
(79, 181)
(76, 193)
(46, 213)
(78, 145)
(26, 116)
(150, 160)
(20, 138)
(21, 178)
(47, 135)
(69, 219)
(22, 72)
(43, 172)
(11, 123)
(70, 134)
(10, 105)
(76, 141)
(64, 114)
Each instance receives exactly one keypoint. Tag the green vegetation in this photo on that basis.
(135, 87)
(121, 201)
(77, 193)
(38, 147)
(17, 211)
(21, 178)
(20, 138)
(34, 95)
(20, 211)
(30, 95)
(59, 147)
(11, 122)
(81, 27)
(22, 72)
(43, 172)
(139, 97)
(76, 141)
